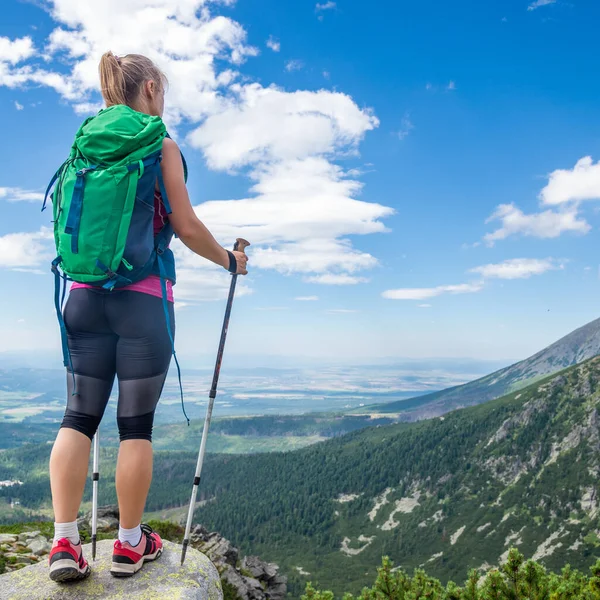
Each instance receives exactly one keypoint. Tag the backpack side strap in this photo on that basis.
(74, 217)
(54, 179)
(58, 305)
(163, 282)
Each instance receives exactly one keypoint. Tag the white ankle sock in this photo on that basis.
(133, 536)
(66, 530)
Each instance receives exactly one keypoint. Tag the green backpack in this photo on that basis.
(103, 207)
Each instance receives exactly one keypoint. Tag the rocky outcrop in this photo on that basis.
(24, 549)
(198, 579)
(108, 519)
(252, 578)
(216, 547)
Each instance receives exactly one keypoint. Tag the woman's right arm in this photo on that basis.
(188, 227)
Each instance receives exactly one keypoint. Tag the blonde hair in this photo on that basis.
(121, 79)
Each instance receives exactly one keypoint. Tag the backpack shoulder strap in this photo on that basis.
(54, 179)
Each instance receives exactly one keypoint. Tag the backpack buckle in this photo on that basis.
(82, 172)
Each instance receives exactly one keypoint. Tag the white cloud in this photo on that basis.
(19, 106)
(20, 251)
(300, 210)
(15, 194)
(30, 270)
(335, 279)
(426, 293)
(566, 189)
(341, 311)
(325, 6)
(451, 86)
(406, 126)
(294, 65)
(546, 224)
(540, 3)
(303, 204)
(518, 268)
(302, 207)
(307, 298)
(199, 280)
(15, 51)
(323, 256)
(424, 305)
(87, 108)
(12, 53)
(268, 124)
(273, 44)
(573, 185)
(182, 36)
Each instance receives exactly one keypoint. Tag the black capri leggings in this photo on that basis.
(122, 333)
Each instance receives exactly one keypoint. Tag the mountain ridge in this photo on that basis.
(576, 347)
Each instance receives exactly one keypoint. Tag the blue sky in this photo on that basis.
(362, 149)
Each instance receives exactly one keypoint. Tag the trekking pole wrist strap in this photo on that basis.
(232, 262)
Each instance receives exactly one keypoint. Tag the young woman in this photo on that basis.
(122, 333)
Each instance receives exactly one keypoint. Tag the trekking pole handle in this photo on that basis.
(240, 245)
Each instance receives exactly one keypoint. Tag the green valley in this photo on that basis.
(450, 493)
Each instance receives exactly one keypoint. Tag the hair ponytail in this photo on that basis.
(121, 79)
(112, 80)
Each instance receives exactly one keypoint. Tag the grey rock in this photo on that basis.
(265, 582)
(198, 579)
(277, 592)
(247, 588)
(27, 535)
(108, 518)
(33, 534)
(23, 559)
(39, 546)
(107, 523)
(199, 533)
(277, 589)
(7, 538)
(259, 568)
(216, 547)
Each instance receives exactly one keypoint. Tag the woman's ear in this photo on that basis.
(150, 89)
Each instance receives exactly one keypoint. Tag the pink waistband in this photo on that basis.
(151, 285)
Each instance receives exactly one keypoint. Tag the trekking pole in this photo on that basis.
(95, 478)
(240, 246)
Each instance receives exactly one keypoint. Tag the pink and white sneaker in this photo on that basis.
(128, 560)
(67, 562)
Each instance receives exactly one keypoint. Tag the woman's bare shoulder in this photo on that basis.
(170, 147)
